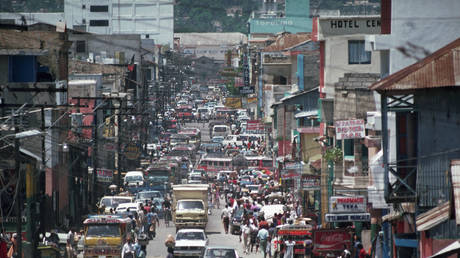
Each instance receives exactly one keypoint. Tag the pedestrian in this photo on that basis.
(308, 248)
(245, 235)
(170, 242)
(128, 250)
(262, 237)
(361, 251)
(170, 253)
(268, 250)
(225, 216)
(253, 236)
(69, 251)
(3, 245)
(289, 253)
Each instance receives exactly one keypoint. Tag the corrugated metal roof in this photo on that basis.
(287, 40)
(433, 217)
(440, 69)
(448, 250)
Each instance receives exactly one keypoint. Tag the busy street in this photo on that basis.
(229, 128)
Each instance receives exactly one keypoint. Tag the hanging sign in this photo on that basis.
(347, 204)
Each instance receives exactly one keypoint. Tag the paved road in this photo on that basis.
(214, 231)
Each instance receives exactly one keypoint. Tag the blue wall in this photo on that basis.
(22, 68)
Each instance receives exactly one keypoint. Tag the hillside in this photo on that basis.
(212, 15)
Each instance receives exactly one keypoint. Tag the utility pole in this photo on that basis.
(95, 160)
(19, 191)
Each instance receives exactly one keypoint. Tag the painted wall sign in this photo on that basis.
(347, 204)
(335, 26)
(350, 129)
(348, 217)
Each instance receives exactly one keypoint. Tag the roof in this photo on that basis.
(440, 69)
(211, 38)
(448, 250)
(30, 40)
(287, 40)
(433, 217)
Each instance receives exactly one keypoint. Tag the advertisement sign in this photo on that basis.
(104, 175)
(255, 127)
(292, 170)
(246, 90)
(347, 204)
(330, 240)
(132, 151)
(233, 102)
(334, 26)
(311, 182)
(350, 129)
(348, 217)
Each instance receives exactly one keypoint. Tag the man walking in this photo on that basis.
(262, 237)
(225, 216)
(245, 232)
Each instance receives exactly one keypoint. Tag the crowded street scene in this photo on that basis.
(229, 128)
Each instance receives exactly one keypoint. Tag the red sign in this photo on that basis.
(330, 240)
(255, 125)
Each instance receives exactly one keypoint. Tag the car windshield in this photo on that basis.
(103, 230)
(221, 253)
(148, 195)
(114, 202)
(220, 129)
(133, 178)
(190, 205)
(190, 236)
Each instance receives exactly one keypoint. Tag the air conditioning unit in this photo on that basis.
(374, 121)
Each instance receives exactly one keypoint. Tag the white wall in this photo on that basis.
(336, 62)
(426, 24)
(153, 19)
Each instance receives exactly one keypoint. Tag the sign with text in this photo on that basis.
(335, 26)
(311, 182)
(347, 204)
(292, 170)
(255, 127)
(330, 240)
(348, 217)
(104, 175)
(246, 90)
(350, 129)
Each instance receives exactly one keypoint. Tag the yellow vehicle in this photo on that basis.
(105, 235)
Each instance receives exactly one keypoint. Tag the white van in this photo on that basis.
(134, 178)
(220, 130)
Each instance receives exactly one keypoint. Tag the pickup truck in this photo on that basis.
(190, 205)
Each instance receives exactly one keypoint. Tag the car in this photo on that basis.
(217, 139)
(190, 242)
(220, 252)
(112, 202)
(236, 220)
(132, 206)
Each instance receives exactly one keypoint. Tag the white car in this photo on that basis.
(190, 242)
(132, 206)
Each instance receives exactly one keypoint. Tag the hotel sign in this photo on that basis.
(336, 26)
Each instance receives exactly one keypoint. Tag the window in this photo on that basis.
(99, 8)
(357, 54)
(349, 148)
(99, 23)
(81, 46)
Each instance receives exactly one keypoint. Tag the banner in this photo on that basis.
(330, 240)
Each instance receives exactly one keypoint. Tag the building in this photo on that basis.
(151, 19)
(210, 45)
(423, 97)
(271, 20)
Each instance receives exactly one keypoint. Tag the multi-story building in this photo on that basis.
(151, 19)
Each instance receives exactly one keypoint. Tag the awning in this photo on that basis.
(407, 207)
(306, 114)
(448, 250)
(307, 129)
(433, 217)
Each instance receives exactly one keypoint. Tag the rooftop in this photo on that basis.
(287, 40)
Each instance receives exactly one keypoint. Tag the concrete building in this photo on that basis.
(151, 19)
(211, 45)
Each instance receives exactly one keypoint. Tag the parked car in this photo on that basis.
(190, 242)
